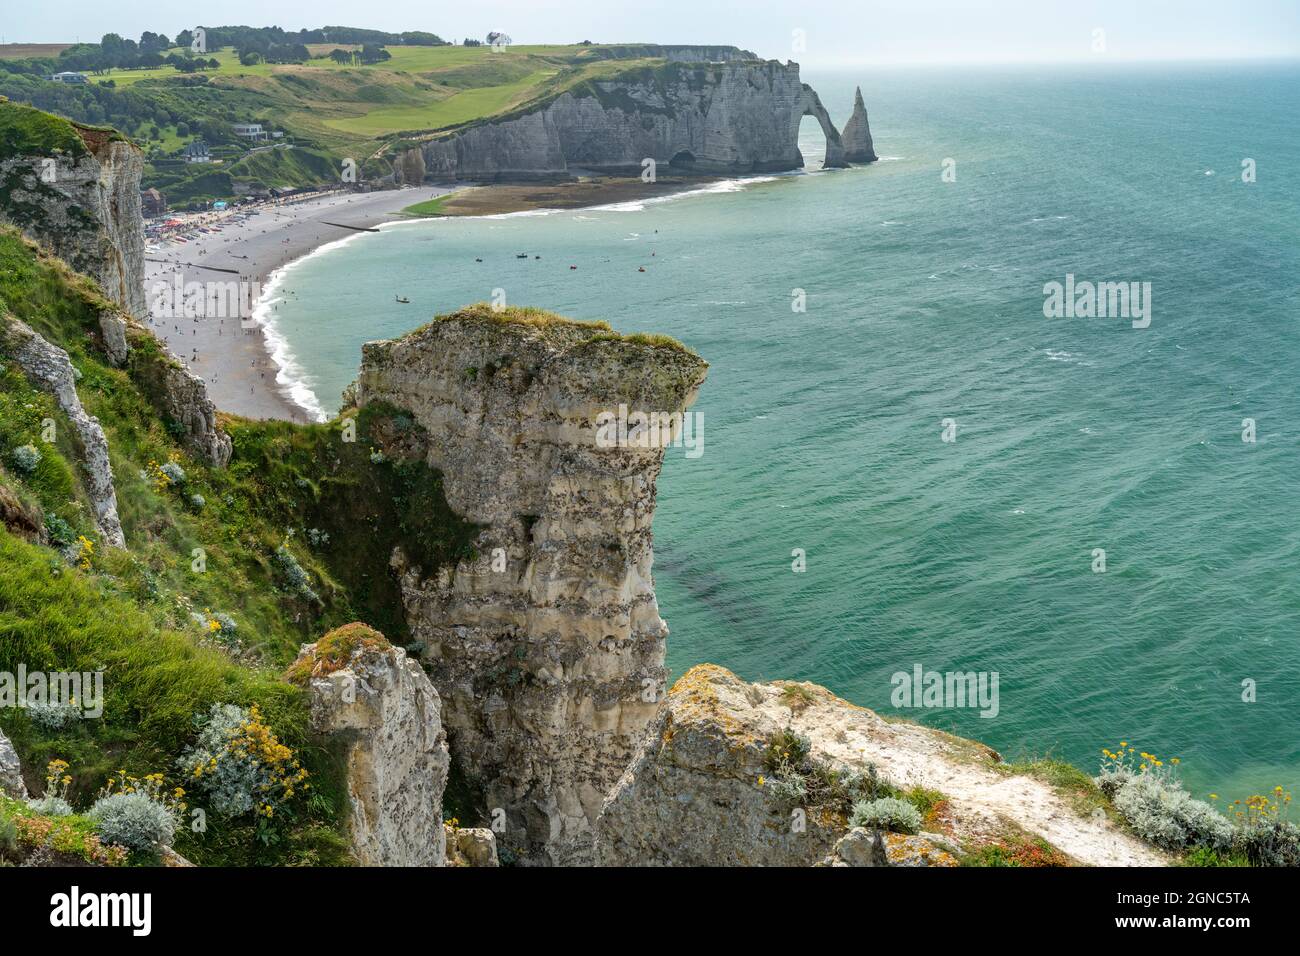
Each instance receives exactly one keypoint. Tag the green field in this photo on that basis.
(456, 109)
(352, 110)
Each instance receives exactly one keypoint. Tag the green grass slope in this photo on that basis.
(294, 536)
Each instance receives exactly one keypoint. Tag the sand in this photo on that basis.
(250, 243)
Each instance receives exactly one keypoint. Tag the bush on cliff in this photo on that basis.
(134, 820)
(794, 778)
(1153, 802)
(887, 813)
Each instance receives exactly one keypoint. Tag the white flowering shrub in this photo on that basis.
(53, 716)
(54, 802)
(1269, 841)
(50, 806)
(1164, 814)
(25, 459)
(134, 820)
(886, 813)
(788, 792)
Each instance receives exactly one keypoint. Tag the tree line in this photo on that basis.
(254, 45)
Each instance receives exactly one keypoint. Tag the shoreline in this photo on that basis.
(239, 364)
(247, 366)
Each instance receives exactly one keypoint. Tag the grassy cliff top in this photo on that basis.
(541, 319)
(26, 131)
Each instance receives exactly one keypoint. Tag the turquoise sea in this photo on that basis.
(925, 302)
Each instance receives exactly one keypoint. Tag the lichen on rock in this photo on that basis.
(471, 846)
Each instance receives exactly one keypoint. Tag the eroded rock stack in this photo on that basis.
(369, 693)
(856, 137)
(548, 648)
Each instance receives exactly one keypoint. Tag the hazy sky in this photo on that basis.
(835, 31)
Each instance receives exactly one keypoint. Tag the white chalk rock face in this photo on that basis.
(548, 647)
(49, 367)
(858, 147)
(727, 118)
(84, 205)
(702, 788)
(11, 771)
(182, 397)
(369, 694)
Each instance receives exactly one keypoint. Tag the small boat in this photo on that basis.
(642, 269)
(522, 255)
(573, 267)
(478, 260)
(402, 299)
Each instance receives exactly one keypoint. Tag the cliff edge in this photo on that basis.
(76, 190)
(727, 118)
(732, 773)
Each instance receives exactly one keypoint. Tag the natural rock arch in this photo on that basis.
(812, 106)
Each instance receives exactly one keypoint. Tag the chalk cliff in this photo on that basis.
(858, 147)
(366, 693)
(739, 774)
(722, 118)
(49, 368)
(547, 649)
(76, 190)
(11, 771)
